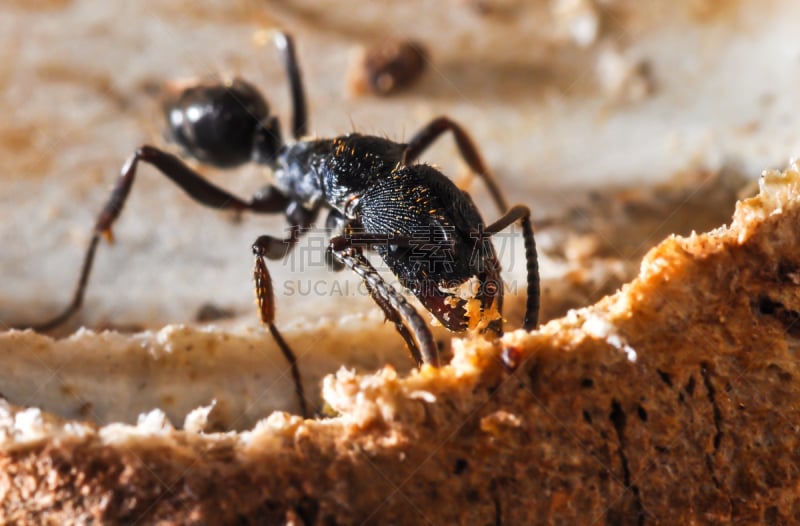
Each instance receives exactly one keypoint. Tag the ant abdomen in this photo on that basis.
(224, 124)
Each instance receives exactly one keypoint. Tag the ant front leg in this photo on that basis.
(406, 319)
(522, 214)
(469, 152)
(190, 181)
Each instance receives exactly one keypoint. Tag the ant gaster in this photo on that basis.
(427, 231)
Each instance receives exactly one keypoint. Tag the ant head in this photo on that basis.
(224, 124)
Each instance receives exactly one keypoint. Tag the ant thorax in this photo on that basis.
(298, 172)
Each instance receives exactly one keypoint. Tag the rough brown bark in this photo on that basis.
(700, 426)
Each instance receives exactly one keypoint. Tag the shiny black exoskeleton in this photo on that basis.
(376, 196)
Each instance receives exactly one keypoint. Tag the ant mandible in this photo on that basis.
(378, 198)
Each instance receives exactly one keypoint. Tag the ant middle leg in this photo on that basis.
(466, 147)
(263, 247)
(417, 335)
(190, 181)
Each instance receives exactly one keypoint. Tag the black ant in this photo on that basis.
(428, 231)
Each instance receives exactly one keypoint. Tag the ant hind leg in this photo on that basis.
(190, 181)
(285, 45)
